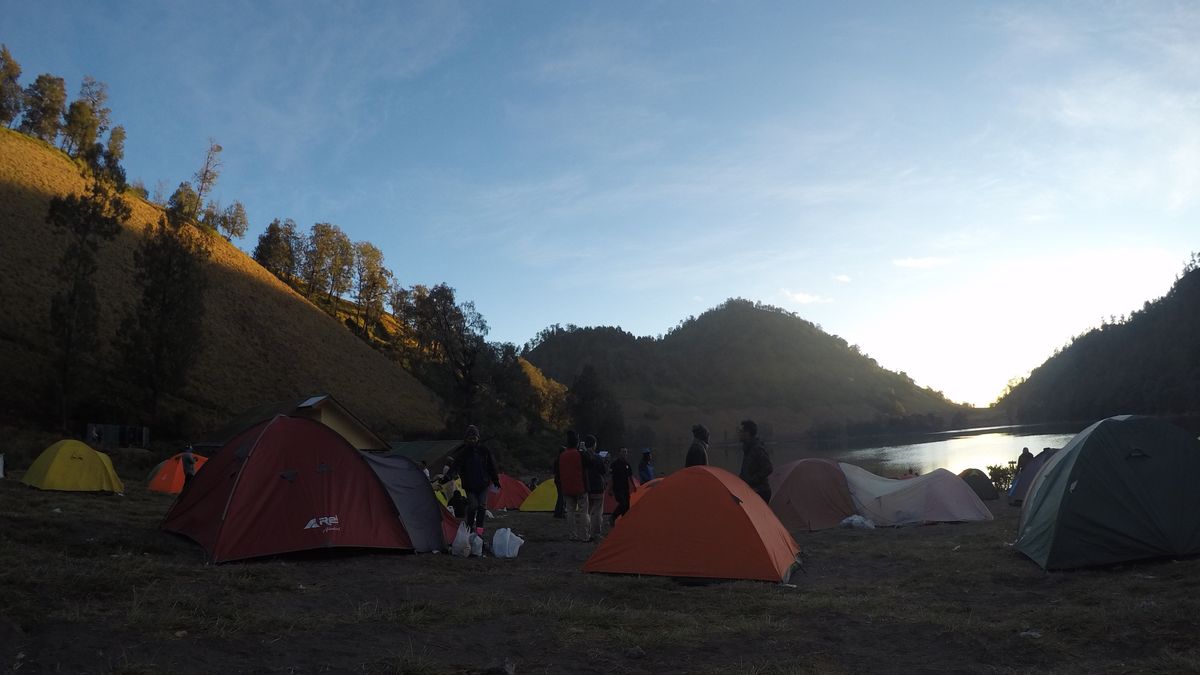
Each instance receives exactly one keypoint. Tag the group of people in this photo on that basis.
(582, 475)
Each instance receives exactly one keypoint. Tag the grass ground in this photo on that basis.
(89, 584)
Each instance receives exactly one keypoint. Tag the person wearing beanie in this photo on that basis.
(476, 470)
(697, 455)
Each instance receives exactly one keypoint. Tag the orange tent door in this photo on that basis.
(167, 477)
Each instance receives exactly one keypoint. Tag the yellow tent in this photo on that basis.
(542, 498)
(446, 491)
(71, 465)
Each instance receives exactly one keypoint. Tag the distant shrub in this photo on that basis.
(1002, 476)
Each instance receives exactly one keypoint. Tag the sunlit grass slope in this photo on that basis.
(262, 341)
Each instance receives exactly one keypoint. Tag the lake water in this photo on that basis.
(954, 450)
(977, 451)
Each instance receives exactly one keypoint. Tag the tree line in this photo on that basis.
(1145, 363)
(424, 328)
(440, 340)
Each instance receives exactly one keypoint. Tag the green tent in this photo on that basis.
(1122, 489)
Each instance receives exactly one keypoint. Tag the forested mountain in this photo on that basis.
(741, 359)
(1148, 363)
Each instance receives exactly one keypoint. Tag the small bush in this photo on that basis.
(1002, 476)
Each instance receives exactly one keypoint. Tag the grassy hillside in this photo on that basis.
(742, 360)
(262, 341)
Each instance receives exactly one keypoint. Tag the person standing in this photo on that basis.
(571, 479)
(476, 471)
(1026, 455)
(756, 463)
(697, 455)
(646, 467)
(189, 466)
(622, 482)
(595, 471)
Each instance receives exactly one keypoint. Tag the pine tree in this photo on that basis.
(12, 99)
(45, 101)
(160, 338)
(277, 249)
(372, 281)
(79, 132)
(74, 312)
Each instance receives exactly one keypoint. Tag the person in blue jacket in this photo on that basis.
(646, 466)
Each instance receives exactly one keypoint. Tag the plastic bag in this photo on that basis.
(476, 546)
(857, 521)
(506, 543)
(462, 542)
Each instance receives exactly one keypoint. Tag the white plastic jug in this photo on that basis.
(476, 545)
(506, 543)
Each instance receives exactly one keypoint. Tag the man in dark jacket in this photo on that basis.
(756, 463)
(476, 470)
(697, 455)
(571, 480)
(622, 481)
(595, 470)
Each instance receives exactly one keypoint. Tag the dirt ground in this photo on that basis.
(89, 584)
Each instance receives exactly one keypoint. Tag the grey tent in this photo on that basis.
(980, 483)
(423, 517)
(1122, 489)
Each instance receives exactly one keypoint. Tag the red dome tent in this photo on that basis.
(286, 484)
(167, 475)
(512, 493)
(810, 494)
(701, 522)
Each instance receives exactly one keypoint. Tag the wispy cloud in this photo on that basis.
(842, 278)
(801, 298)
(920, 263)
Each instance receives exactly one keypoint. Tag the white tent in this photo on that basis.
(938, 496)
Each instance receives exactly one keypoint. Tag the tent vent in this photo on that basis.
(323, 468)
(1137, 453)
(736, 499)
(289, 475)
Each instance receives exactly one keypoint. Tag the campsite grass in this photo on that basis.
(89, 584)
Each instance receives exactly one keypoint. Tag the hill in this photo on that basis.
(1148, 363)
(740, 360)
(262, 341)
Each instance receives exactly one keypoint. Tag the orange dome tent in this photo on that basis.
(701, 522)
(512, 492)
(643, 490)
(810, 494)
(167, 476)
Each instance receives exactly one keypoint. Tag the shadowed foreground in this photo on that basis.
(89, 584)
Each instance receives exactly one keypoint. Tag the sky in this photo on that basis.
(957, 188)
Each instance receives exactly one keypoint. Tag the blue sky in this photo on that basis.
(958, 188)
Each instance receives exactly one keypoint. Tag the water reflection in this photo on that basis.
(977, 451)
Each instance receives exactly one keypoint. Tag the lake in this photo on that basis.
(977, 451)
(952, 450)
